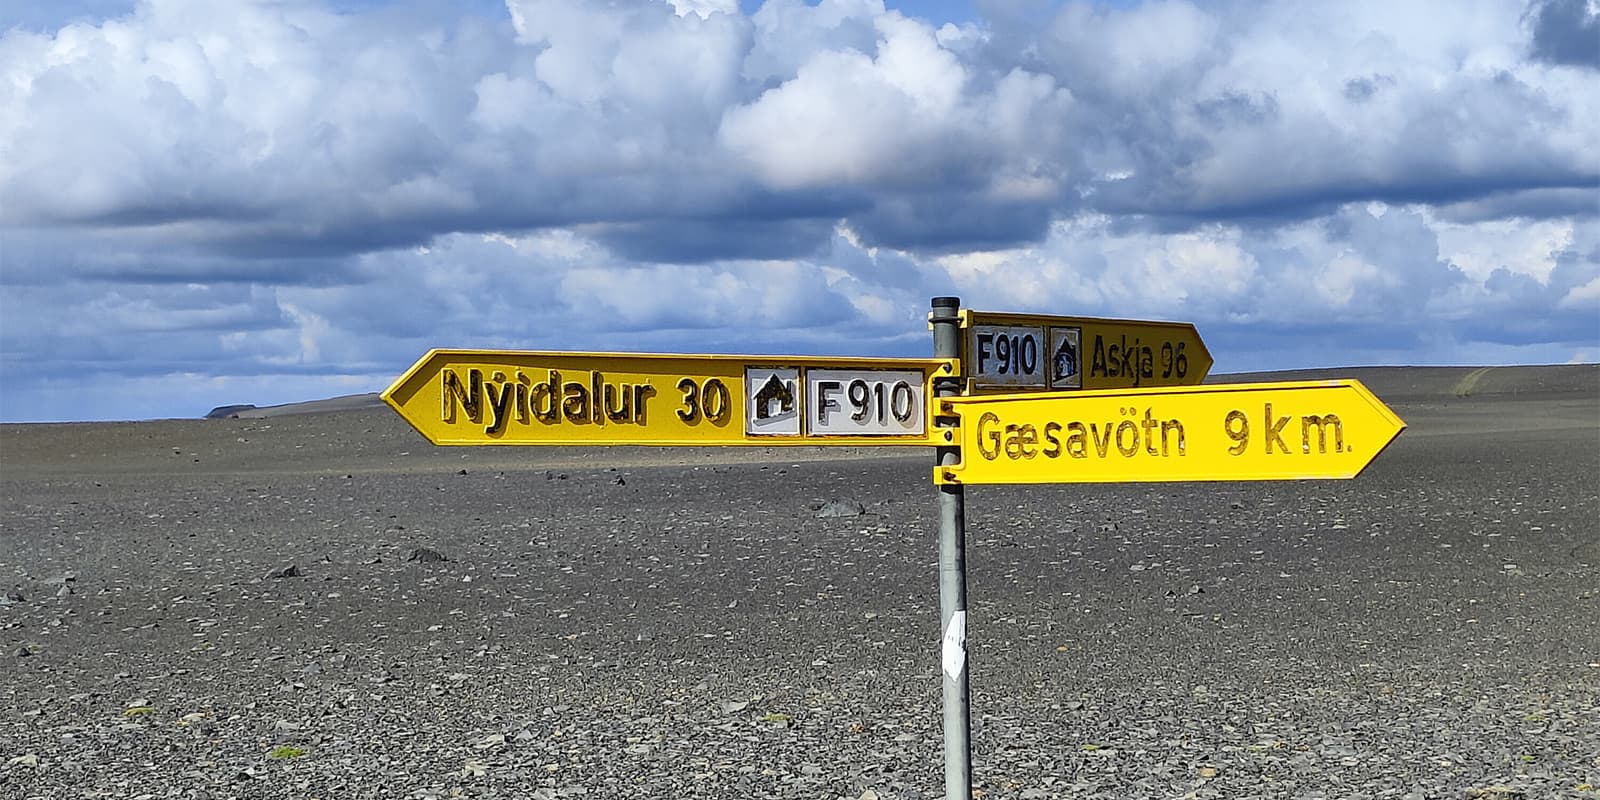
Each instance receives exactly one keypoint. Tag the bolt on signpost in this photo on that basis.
(991, 403)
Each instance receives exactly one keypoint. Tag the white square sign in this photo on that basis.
(772, 401)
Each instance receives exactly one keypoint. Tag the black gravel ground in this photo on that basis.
(246, 609)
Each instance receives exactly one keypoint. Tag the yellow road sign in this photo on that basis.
(1243, 432)
(483, 397)
(1019, 352)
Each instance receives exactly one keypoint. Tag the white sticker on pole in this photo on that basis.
(955, 644)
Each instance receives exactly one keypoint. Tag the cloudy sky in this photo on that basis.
(266, 201)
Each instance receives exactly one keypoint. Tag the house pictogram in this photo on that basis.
(1066, 359)
(774, 393)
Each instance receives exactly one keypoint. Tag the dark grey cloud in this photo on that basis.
(1565, 32)
(952, 221)
(1549, 203)
(700, 240)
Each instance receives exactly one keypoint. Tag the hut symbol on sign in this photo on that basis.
(776, 397)
(1066, 361)
(773, 407)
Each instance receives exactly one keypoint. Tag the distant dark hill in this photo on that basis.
(343, 403)
(229, 412)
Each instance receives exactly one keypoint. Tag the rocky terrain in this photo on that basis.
(322, 605)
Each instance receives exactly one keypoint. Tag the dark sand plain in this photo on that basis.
(637, 622)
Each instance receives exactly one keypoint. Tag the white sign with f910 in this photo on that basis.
(1007, 355)
(865, 402)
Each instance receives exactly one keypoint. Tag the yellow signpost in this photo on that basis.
(485, 397)
(1005, 352)
(1242, 432)
(1131, 412)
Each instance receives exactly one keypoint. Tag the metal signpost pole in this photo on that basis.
(953, 574)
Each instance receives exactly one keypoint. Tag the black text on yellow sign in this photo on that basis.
(1005, 352)
(1263, 431)
(484, 397)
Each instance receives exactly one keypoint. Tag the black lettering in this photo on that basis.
(641, 392)
(1128, 445)
(1171, 425)
(1147, 426)
(1101, 445)
(1077, 440)
(499, 405)
(691, 400)
(1322, 424)
(985, 351)
(544, 399)
(714, 401)
(825, 402)
(522, 397)
(1097, 362)
(988, 439)
(901, 401)
(1052, 444)
(1275, 431)
(1237, 426)
(1021, 441)
(469, 398)
(618, 402)
(860, 395)
(575, 402)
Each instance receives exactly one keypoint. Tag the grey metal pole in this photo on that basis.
(952, 574)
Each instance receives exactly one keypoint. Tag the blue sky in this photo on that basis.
(207, 203)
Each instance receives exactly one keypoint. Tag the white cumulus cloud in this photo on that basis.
(265, 194)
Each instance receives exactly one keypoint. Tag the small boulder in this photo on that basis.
(286, 571)
(423, 555)
(840, 508)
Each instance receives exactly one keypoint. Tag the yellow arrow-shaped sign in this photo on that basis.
(1242, 432)
(484, 397)
(1004, 352)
